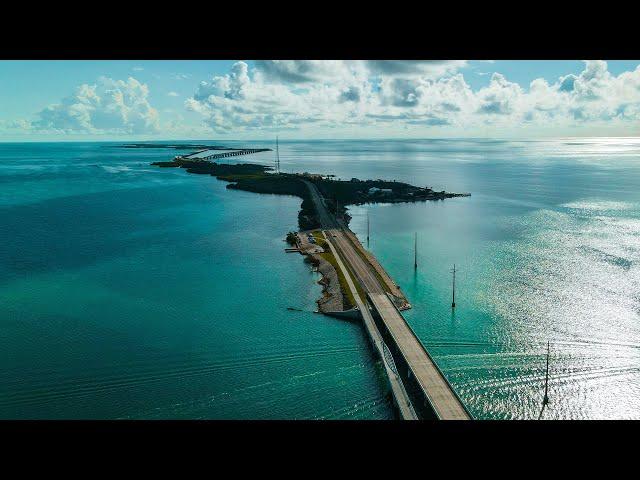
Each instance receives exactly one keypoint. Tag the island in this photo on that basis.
(338, 194)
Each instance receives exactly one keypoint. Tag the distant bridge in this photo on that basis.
(231, 153)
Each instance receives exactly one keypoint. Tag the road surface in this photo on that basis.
(440, 394)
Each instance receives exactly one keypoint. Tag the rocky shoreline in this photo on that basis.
(332, 299)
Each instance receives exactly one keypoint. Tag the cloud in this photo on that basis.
(298, 94)
(239, 100)
(351, 94)
(400, 92)
(304, 71)
(21, 124)
(109, 106)
(423, 68)
(499, 97)
(307, 71)
(173, 94)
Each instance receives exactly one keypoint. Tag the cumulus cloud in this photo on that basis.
(109, 106)
(243, 100)
(423, 68)
(351, 94)
(304, 71)
(293, 94)
(500, 96)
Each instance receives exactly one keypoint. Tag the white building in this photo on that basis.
(384, 191)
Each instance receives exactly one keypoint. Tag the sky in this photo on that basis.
(307, 99)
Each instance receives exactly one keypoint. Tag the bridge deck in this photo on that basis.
(442, 398)
(402, 400)
(214, 154)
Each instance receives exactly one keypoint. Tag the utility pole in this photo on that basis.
(453, 289)
(415, 252)
(367, 228)
(545, 400)
(277, 156)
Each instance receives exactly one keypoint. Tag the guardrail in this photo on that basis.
(430, 358)
(234, 153)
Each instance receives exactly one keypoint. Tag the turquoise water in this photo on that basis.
(134, 292)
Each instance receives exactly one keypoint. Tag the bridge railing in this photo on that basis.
(233, 153)
(413, 333)
(421, 401)
(388, 359)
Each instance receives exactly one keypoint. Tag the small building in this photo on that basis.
(383, 191)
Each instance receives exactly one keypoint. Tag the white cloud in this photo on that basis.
(109, 106)
(295, 94)
(21, 124)
(500, 97)
(378, 97)
(241, 100)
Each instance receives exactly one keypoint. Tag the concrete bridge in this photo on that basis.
(431, 394)
(232, 153)
(419, 388)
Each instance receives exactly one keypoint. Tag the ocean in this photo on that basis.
(130, 291)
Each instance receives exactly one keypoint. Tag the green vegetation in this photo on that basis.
(256, 178)
(357, 191)
(291, 238)
(317, 234)
(280, 185)
(349, 301)
(356, 283)
(320, 240)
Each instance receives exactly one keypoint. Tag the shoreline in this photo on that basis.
(337, 196)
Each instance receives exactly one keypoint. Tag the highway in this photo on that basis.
(443, 400)
(399, 393)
